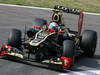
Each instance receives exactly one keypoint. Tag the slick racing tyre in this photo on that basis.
(89, 42)
(68, 48)
(14, 38)
(39, 22)
(68, 51)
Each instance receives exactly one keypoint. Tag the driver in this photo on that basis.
(53, 26)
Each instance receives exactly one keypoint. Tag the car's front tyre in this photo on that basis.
(69, 51)
(14, 38)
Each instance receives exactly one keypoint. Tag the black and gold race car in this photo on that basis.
(52, 42)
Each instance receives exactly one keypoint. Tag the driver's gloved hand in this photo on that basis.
(71, 35)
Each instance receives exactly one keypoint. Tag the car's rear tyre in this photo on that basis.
(14, 38)
(89, 42)
(39, 21)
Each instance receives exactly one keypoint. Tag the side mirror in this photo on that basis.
(44, 27)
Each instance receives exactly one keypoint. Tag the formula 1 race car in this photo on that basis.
(52, 42)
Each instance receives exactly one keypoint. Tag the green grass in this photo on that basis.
(85, 5)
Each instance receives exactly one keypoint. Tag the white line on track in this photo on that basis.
(88, 72)
(91, 13)
(41, 8)
(25, 6)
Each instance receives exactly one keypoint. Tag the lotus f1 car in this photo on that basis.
(52, 42)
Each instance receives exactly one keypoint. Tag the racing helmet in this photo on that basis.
(52, 25)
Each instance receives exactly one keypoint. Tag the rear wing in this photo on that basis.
(73, 11)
